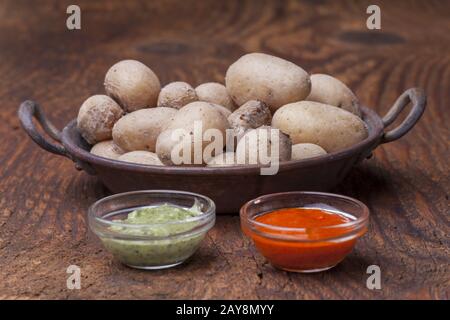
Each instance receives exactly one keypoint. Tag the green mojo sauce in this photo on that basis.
(155, 222)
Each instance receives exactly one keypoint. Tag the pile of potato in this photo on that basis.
(134, 122)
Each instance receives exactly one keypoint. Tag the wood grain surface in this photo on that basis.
(44, 200)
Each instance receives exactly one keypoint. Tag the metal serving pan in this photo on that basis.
(229, 187)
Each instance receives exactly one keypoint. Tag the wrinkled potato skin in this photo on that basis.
(217, 93)
(306, 150)
(275, 81)
(141, 157)
(246, 147)
(107, 149)
(176, 95)
(330, 127)
(329, 90)
(96, 118)
(251, 115)
(133, 85)
(226, 159)
(139, 130)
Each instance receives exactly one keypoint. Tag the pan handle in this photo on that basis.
(29, 110)
(417, 97)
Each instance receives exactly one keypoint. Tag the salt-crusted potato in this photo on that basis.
(329, 90)
(176, 95)
(139, 130)
(107, 149)
(275, 81)
(251, 115)
(96, 118)
(330, 127)
(256, 144)
(306, 150)
(225, 159)
(179, 143)
(141, 157)
(133, 85)
(207, 113)
(214, 92)
(193, 120)
(224, 111)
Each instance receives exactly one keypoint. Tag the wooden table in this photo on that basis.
(44, 200)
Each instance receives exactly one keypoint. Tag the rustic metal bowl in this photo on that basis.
(229, 187)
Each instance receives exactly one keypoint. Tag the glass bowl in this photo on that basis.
(305, 249)
(156, 245)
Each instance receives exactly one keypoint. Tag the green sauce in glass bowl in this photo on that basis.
(155, 236)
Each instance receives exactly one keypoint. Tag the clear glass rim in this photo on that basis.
(360, 222)
(207, 215)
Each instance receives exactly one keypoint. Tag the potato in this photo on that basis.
(225, 159)
(306, 150)
(169, 141)
(141, 157)
(275, 81)
(328, 90)
(96, 118)
(206, 113)
(330, 127)
(164, 145)
(251, 115)
(176, 95)
(214, 92)
(134, 85)
(107, 149)
(139, 130)
(250, 148)
(195, 119)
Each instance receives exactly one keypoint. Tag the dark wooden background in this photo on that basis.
(43, 199)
